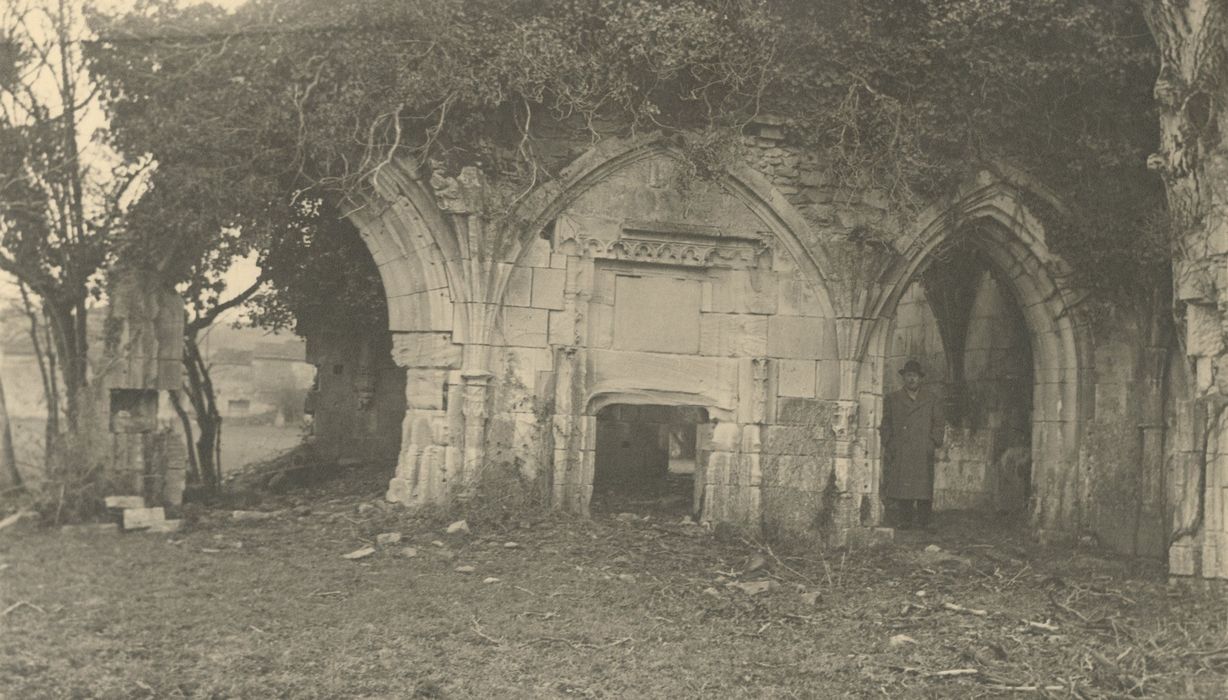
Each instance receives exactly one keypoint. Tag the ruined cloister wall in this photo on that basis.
(357, 401)
(749, 296)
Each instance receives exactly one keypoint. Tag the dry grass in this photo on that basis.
(614, 607)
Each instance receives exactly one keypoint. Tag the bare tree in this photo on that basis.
(62, 192)
(10, 478)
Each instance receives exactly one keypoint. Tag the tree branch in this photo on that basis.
(206, 319)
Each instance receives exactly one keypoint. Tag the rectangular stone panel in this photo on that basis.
(659, 314)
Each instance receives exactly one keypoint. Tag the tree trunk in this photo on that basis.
(10, 478)
(1191, 94)
(193, 466)
(44, 354)
(208, 419)
(66, 321)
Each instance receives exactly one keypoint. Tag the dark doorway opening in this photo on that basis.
(647, 458)
(966, 326)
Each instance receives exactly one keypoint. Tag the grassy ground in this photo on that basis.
(618, 606)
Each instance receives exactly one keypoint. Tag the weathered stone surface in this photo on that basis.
(675, 379)
(601, 326)
(548, 288)
(519, 287)
(142, 518)
(790, 440)
(798, 337)
(124, 502)
(658, 314)
(164, 527)
(796, 378)
(1204, 336)
(537, 254)
(429, 310)
(525, 327)
(424, 388)
(733, 335)
(743, 292)
(802, 411)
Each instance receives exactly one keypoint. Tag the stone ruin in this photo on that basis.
(753, 315)
(146, 459)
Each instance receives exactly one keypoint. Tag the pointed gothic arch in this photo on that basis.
(1012, 240)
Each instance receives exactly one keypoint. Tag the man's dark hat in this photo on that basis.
(912, 366)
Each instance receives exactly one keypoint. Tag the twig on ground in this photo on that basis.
(767, 549)
(20, 603)
(477, 628)
(1043, 626)
(968, 611)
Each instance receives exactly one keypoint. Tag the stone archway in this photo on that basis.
(763, 248)
(1012, 241)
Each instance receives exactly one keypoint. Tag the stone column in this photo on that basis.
(428, 456)
(575, 434)
(476, 387)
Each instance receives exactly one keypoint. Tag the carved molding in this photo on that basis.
(673, 244)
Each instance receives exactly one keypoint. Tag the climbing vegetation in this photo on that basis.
(249, 114)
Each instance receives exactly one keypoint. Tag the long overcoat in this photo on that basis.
(911, 430)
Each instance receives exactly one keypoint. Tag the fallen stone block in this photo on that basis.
(17, 517)
(164, 526)
(143, 518)
(387, 538)
(124, 502)
(754, 587)
(359, 553)
(460, 526)
(251, 515)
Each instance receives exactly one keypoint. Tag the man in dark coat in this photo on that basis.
(912, 429)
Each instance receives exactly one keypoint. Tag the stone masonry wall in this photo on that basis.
(765, 298)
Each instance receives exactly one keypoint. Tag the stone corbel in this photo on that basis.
(844, 421)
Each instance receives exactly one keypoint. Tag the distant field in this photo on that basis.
(241, 444)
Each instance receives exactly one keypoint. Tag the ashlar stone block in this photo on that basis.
(548, 288)
(525, 327)
(796, 378)
(801, 338)
(733, 335)
(744, 292)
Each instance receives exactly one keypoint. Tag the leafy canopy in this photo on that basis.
(250, 114)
